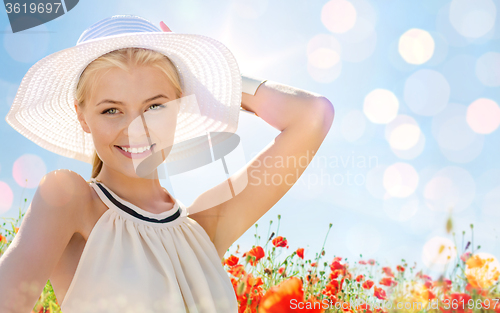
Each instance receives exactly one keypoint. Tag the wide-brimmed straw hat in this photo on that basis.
(43, 108)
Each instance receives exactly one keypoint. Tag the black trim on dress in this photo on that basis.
(134, 213)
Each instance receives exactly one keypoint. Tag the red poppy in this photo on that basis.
(255, 254)
(335, 274)
(285, 298)
(365, 308)
(359, 278)
(249, 293)
(431, 294)
(367, 284)
(387, 281)
(494, 304)
(279, 242)
(455, 303)
(363, 262)
(388, 271)
(400, 268)
(379, 293)
(336, 265)
(371, 261)
(237, 270)
(300, 253)
(232, 260)
(333, 287)
(337, 268)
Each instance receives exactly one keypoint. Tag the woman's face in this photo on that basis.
(132, 110)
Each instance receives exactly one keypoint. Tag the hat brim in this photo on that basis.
(43, 108)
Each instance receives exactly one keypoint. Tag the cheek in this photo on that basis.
(103, 132)
(162, 124)
(164, 131)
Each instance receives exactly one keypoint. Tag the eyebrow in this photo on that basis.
(145, 101)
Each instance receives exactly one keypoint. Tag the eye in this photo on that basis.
(113, 113)
(105, 111)
(158, 106)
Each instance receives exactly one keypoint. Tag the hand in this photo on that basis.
(164, 27)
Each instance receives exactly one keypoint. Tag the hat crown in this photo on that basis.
(115, 25)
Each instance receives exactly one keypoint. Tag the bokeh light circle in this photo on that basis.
(361, 31)
(338, 16)
(403, 133)
(381, 106)
(27, 47)
(453, 134)
(457, 141)
(413, 152)
(323, 58)
(483, 116)
(488, 69)
(324, 76)
(472, 18)
(460, 73)
(405, 137)
(416, 46)
(28, 167)
(360, 42)
(6, 196)
(323, 51)
(400, 180)
(438, 251)
(450, 188)
(426, 92)
(358, 51)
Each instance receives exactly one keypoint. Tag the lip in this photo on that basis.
(131, 155)
(135, 146)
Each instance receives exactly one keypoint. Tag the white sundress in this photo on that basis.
(142, 262)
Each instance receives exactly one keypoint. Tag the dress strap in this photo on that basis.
(113, 200)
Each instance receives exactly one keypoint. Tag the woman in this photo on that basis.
(142, 97)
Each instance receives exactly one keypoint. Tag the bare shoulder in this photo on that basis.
(66, 190)
(53, 217)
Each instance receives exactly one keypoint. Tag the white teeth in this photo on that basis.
(136, 150)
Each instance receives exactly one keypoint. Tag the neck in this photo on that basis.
(144, 192)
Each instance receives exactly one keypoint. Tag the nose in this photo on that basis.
(136, 126)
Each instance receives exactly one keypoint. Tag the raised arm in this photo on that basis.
(48, 225)
(304, 119)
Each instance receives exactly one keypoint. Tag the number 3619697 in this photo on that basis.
(32, 8)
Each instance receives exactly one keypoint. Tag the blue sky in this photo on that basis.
(386, 196)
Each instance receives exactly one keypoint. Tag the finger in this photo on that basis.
(164, 27)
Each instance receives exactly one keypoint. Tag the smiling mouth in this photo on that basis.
(137, 150)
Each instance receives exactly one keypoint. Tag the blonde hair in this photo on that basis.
(125, 59)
